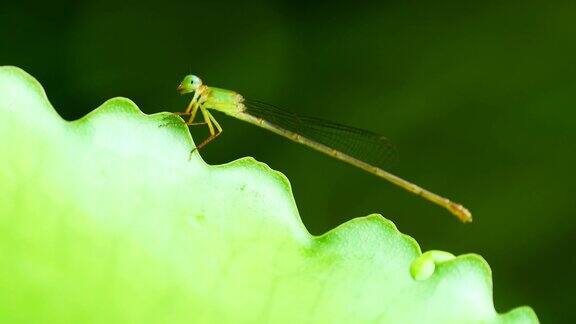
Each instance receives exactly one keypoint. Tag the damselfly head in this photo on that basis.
(190, 83)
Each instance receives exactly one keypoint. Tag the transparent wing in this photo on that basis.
(363, 145)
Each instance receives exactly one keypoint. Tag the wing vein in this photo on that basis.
(363, 145)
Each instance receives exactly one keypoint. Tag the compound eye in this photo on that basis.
(196, 80)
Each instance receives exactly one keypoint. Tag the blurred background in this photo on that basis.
(479, 97)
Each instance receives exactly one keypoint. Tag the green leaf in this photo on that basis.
(107, 219)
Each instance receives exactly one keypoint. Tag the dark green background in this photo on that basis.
(479, 97)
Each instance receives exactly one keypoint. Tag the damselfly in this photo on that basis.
(363, 149)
